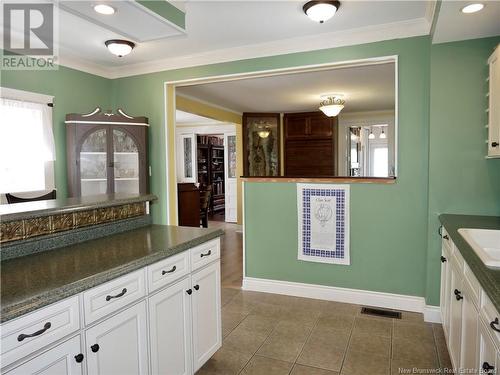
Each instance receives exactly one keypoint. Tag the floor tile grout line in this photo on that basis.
(307, 339)
(348, 344)
(260, 346)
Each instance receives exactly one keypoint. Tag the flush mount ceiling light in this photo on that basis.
(119, 47)
(332, 104)
(321, 10)
(104, 9)
(472, 8)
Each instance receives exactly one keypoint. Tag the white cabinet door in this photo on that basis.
(60, 360)
(470, 335)
(207, 333)
(487, 352)
(186, 158)
(455, 327)
(119, 344)
(170, 330)
(445, 290)
(494, 105)
(231, 198)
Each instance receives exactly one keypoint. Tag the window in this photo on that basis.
(26, 146)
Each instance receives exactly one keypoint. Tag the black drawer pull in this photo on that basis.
(196, 287)
(443, 259)
(108, 298)
(23, 336)
(189, 291)
(95, 348)
(169, 271)
(494, 144)
(487, 367)
(207, 254)
(493, 324)
(79, 358)
(458, 295)
(446, 237)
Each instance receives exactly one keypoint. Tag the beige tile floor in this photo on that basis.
(268, 334)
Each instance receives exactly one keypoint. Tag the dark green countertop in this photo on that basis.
(27, 210)
(489, 278)
(34, 281)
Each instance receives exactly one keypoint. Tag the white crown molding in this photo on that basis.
(84, 65)
(362, 35)
(346, 295)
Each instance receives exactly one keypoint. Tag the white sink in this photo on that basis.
(486, 244)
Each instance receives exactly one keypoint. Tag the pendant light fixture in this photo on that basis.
(263, 129)
(383, 135)
(321, 10)
(371, 136)
(332, 104)
(119, 47)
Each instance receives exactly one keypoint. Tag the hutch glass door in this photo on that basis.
(125, 163)
(93, 164)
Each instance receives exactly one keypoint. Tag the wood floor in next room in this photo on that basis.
(269, 334)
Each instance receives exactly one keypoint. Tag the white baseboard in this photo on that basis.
(346, 295)
(432, 314)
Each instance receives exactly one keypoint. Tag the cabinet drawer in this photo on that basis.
(167, 271)
(473, 284)
(204, 254)
(39, 329)
(112, 296)
(490, 315)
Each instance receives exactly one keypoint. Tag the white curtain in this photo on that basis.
(26, 145)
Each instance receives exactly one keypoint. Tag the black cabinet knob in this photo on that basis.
(446, 237)
(458, 295)
(196, 287)
(494, 144)
(95, 348)
(189, 291)
(443, 259)
(79, 358)
(488, 368)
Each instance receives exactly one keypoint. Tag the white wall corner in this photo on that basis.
(346, 295)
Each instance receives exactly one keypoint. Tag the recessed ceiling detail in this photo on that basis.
(135, 20)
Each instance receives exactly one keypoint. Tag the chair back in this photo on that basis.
(13, 199)
(205, 195)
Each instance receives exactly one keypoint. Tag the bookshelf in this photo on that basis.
(210, 158)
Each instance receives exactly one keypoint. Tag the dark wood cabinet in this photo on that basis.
(188, 196)
(107, 153)
(310, 144)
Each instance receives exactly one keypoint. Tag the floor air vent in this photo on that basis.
(380, 312)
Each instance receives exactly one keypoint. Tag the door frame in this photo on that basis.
(169, 101)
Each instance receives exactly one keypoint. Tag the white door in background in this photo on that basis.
(186, 158)
(231, 200)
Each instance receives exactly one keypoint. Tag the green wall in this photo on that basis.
(394, 246)
(461, 180)
(388, 222)
(73, 91)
